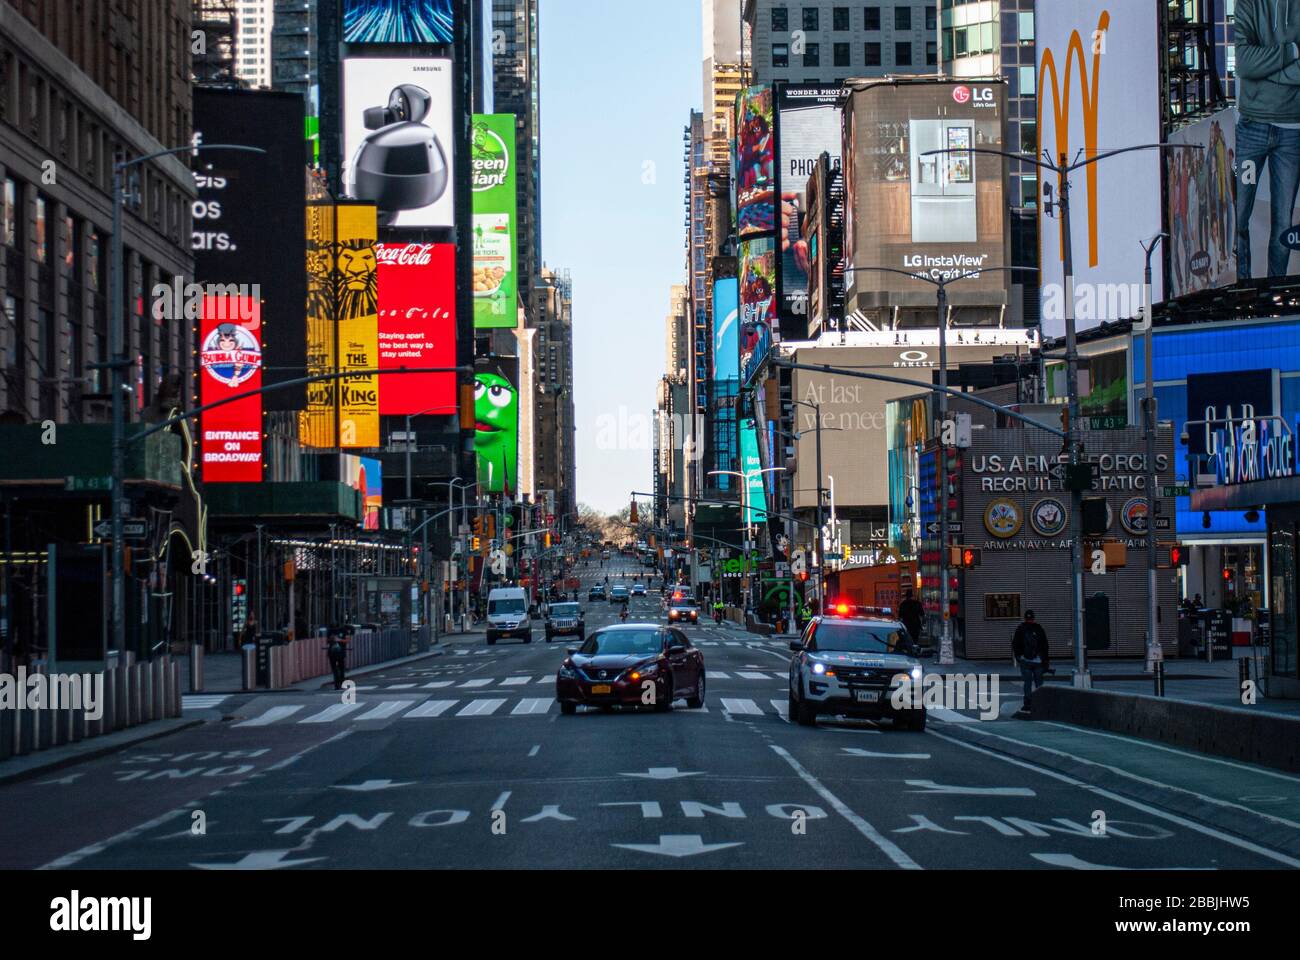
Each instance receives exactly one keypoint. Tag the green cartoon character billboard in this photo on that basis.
(496, 427)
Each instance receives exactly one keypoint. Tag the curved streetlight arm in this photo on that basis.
(191, 149)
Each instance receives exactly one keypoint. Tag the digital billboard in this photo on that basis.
(492, 147)
(808, 125)
(1099, 90)
(247, 227)
(751, 466)
(496, 423)
(230, 363)
(417, 326)
(911, 206)
(366, 476)
(397, 138)
(726, 329)
(755, 174)
(397, 21)
(758, 327)
(342, 326)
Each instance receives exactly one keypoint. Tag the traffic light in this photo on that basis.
(492, 526)
(964, 557)
(476, 543)
(1177, 555)
(632, 513)
(1096, 516)
(478, 527)
(548, 539)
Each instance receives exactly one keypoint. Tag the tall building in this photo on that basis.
(555, 441)
(821, 41)
(253, 42)
(987, 39)
(516, 88)
(294, 44)
(677, 331)
(215, 28)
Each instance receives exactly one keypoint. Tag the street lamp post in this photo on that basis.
(745, 515)
(819, 543)
(117, 366)
(1149, 420)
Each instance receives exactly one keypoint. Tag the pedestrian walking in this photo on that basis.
(912, 614)
(337, 652)
(1029, 646)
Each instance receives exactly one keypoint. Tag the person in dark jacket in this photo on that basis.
(337, 651)
(912, 614)
(1029, 646)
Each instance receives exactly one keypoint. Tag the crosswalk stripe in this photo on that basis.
(430, 708)
(742, 707)
(532, 705)
(751, 675)
(332, 712)
(514, 681)
(461, 653)
(201, 702)
(732, 643)
(781, 676)
(479, 708)
(478, 682)
(716, 675)
(400, 686)
(546, 680)
(438, 684)
(272, 715)
(781, 706)
(382, 711)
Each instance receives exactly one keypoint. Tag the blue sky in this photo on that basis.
(622, 238)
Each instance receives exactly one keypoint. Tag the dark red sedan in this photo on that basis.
(632, 664)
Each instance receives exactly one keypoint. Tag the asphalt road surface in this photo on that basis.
(463, 760)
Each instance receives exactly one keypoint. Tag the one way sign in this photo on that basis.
(131, 529)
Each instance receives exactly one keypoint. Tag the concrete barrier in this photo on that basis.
(1267, 739)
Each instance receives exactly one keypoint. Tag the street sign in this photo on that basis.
(1057, 471)
(1111, 422)
(131, 529)
(1175, 491)
(80, 484)
(1162, 523)
(933, 527)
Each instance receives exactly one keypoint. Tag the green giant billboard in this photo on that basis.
(495, 211)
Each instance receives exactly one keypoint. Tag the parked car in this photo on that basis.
(565, 620)
(614, 666)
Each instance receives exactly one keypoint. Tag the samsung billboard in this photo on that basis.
(918, 198)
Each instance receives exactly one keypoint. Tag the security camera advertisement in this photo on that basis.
(808, 125)
(496, 423)
(397, 139)
(492, 147)
(397, 21)
(921, 201)
(755, 162)
(1229, 181)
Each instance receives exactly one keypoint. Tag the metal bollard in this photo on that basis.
(1243, 670)
(1160, 678)
(196, 667)
(248, 662)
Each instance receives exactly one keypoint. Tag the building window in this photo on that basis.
(1027, 27)
(780, 19)
(931, 18)
(42, 240)
(840, 18)
(931, 53)
(811, 18)
(903, 54)
(871, 19)
(780, 55)
(902, 18)
(1029, 137)
(872, 53)
(812, 55)
(841, 54)
(11, 213)
(1027, 81)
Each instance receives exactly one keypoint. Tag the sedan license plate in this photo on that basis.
(600, 688)
(866, 696)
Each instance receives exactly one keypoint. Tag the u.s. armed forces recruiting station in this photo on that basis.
(1012, 473)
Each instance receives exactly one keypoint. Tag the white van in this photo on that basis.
(507, 614)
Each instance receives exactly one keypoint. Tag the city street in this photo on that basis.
(464, 760)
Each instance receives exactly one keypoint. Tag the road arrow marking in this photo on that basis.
(664, 773)
(858, 752)
(70, 778)
(932, 787)
(370, 785)
(260, 860)
(1074, 863)
(677, 845)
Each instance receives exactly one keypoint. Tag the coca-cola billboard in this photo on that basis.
(417, 326)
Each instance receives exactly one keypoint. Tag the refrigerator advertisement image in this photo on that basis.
(397, 138)
(492, 145)
(397, 21)
(417, 326)
(808, 125)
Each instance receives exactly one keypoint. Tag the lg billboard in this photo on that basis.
(1099, 90)
(918, 198)
(397, 138)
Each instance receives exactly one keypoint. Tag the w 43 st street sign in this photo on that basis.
(131, 529)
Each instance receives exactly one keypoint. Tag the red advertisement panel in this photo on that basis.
(230, 356)
(417, 326)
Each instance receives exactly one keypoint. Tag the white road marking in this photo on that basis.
(1074, 863)
(272, 716)
(332, 712)
(500, 802)
(751, 674)
(430, 708)
(438, 684)
(950, 716)
(887, 846)
(479, 708)
(716, 675)
(514, 681)
(531, 705)
(382, 711)
(781, 706)
(400, 686)
(198, 701)
(741, 706)
(533, 752)
(480, 682)
(1135, 804)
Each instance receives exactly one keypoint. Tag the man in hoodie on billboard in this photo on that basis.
(1268, 122)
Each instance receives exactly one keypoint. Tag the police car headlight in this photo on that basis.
(819, 668)
(899, 678)
(916, 672)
